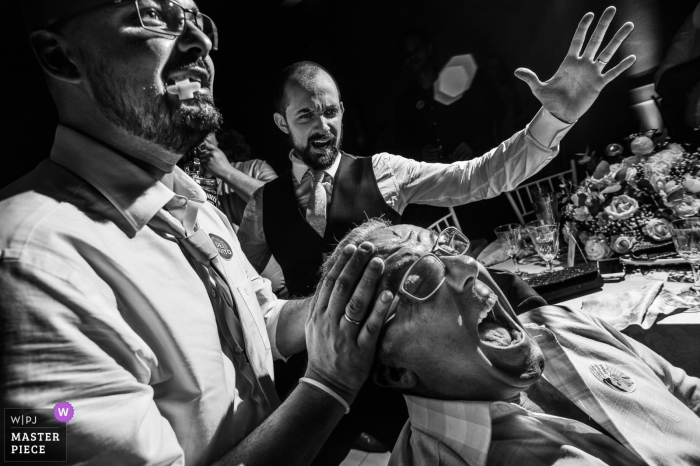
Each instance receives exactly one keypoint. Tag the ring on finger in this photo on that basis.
(352, 321)
(601, 61)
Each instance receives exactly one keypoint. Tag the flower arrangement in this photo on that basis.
(635, 199)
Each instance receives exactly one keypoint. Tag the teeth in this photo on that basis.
(482, 316)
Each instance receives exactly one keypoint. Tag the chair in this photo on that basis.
(521, 198)
(449, 220)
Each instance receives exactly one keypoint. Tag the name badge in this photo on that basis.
(613, 377)
(222, 246)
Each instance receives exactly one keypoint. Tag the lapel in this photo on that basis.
(561, 372)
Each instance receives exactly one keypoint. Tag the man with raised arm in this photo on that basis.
(125, 294)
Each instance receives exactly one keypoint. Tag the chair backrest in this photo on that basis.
(449, 220)
(521, 198)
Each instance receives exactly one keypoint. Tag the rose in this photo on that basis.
(597, 248)
(691, 184)
(675, 148)
(657, 229)
(687, 206)
(583, 237)
(582, 214)
(658, 166)
(642, 145)
(667, 155)
(622, 244)
(622, 207)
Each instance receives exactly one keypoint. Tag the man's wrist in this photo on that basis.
(346, 393)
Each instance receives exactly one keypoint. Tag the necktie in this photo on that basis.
(316, 206)
(238, 328)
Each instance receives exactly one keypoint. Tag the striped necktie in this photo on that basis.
(316, 205)
(238, 328)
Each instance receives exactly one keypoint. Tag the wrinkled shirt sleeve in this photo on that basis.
(403, 181)
(66, 341)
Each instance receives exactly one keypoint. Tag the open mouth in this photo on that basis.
(322, 144)
(496, 329)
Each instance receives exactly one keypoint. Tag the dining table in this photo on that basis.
(676, 337)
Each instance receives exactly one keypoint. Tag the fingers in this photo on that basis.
(361, 298)
(325, 289)
(373, 325)
(347, 280)
(607, 54)
(619, 69)
(529, 77)
(580, 35)
(599, 33)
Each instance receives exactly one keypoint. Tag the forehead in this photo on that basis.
(318, 87)
(400, 246)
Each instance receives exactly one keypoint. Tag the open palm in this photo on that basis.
(579, 79)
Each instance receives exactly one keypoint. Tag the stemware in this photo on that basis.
(686, 238)
(510, 237)
(546, 241)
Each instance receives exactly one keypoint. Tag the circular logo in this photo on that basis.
(63, 411)
(222, 246)
(613, 377)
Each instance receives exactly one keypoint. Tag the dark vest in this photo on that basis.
(295, 244)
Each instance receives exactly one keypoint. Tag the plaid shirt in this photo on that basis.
(657, 424)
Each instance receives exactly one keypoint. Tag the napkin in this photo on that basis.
(624, 308)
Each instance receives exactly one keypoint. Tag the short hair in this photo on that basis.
(301, 72)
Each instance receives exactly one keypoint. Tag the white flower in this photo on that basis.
(622, 207)
(668, 156)
(582, 214)
(642, 145)
(597, 249)
(657, 229)
(622, 244)
(691, 184)
(688, 206)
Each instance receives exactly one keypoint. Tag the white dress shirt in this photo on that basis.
(105, 312)
(404, 181)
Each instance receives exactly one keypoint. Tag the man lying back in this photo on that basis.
(484, 386)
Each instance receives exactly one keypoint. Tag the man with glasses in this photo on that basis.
(125, 294)
(486, 386)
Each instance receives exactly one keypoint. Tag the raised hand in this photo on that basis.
(214, 160)
(579, 79)
(341, 352)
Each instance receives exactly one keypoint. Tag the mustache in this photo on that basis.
(186, 65)
(317, 137)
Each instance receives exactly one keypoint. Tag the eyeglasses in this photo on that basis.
(426, 275)
(165, 17)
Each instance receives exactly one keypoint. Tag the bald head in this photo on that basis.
(302, 74)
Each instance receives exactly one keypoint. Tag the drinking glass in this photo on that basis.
(545, 206)
(546, 241)
(686, 238)
(510, 237)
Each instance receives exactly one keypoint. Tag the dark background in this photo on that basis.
(357, 41)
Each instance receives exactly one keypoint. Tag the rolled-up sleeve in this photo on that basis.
(403, 181)
(65, 341)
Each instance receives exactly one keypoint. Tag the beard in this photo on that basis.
(312, 159)
(149, 114)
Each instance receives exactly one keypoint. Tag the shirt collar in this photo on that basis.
(463, 426)
(135, 193)
(299, 168)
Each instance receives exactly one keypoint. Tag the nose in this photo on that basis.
(194, 41)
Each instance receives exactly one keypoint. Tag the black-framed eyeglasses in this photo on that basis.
(164, 17)
(426, 275)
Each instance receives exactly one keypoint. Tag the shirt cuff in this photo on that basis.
(547, 129)
(271, 320)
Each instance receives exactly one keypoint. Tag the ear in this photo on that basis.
(394, 377)
(342, 108)
(281, 122)
(54, 56)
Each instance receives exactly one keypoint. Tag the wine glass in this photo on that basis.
(546, 241)
(510, 237)
(686, 238)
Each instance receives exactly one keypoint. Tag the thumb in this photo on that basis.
(529, 77)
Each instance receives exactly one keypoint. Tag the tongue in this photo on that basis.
(493, 333)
